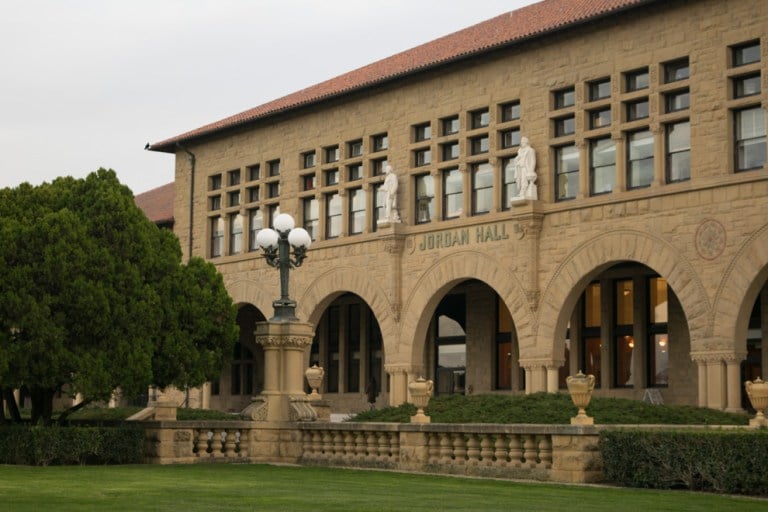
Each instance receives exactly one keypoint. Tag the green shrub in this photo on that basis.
(44, 446)
(731, 462)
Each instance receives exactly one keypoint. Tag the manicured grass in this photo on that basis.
(274, 488)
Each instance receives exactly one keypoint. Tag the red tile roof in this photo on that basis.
(157, 203)
(507, 29)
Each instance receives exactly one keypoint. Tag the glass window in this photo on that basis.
(750, 143)
(600, 118)
(678, 142)
(215, 203)
(746, 53)
(624, 302)
(602, 166)
(640, 159)
(508, 184)
(255, 224)
(235, 233)
(510, 111)
(253, 194)
(592, 311)
(425, 198)
(380, 142)
(482, 188)
(422, 157)
(274, 168)
(311, 216)
(308, 159)
(356, 211)
(450, 125)
(379, 197)
(565, 98)
(234, 198)
(332, 154)
(355, 148)
(566, 172)
(637, 110)
(480, 145)
(678, 100)
(355, 172)
(480, 118)
(308, 181)
(636, 80)
(453, 194)
(215, 182)
(746, 86)
(233, 177)
(565, 126)
(676, 70)
(332, 215)
(254, 172)
(450, 150)
(659, 303)
(273, 211)
(510, 138)
(600, 89)
(658, 357)
(422, 132)
(273, 189)
(378, 166)
(217, 236)
(332, 177)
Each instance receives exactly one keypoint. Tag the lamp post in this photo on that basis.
(275, 243)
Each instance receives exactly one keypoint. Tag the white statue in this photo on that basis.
(390, 196)
(525, 171)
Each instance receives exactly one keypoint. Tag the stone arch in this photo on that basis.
(444, 275)
(741, 283)
(246, 291)
(594, 256)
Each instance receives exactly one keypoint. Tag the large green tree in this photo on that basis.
(94, 297)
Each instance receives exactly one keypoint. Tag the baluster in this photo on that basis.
(360, 445)
(515, 451)
(459, 449)
(501, 452)
(338, 446)
(243, 443)
(382, 441)
(327, 445)
(486, 450)
(315, 450)
(372, 449)
(202, 442)
(229, 442)
(473, 450)
(217, 443)
(545, 451)
(529, 450)
(433, 448)
(394, 446)
(446, 450)
(349, 445)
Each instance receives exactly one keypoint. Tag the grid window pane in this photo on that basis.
(676, 70)
(567, 172)
(450, 125)
(510, 138)
(450, 151)
(640, 166)
(480, 145)
(425, 194)
(565, 126)
(422, 157)
(746, 53)
(603, 166)
(482, 188)
(309, 160)
(235, 234)
(750, 138)
(333, 215)
(311, 216)
(746, 86)
(600, 89)
(679, 100)
(600, 118)
(217, 236)
(678, 151)
(637, 110)
(380, 142)
(509, 185)
(480, 118)
(565, 98)
(510, 111)
(636, 80)
(453, 194)
(255, 224)
(356, 211)
(422, 132)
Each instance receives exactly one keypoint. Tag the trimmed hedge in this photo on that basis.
(44, 446)
(731, 462)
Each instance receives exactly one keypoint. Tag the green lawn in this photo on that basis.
(273, 488)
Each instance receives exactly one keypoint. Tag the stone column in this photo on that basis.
(553, 376)
(399, 376)
(536, 376)
(733, 382)
(719, 379)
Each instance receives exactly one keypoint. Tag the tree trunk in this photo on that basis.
(42, 406)
(64, 415)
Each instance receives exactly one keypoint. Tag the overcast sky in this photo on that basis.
(86, 83)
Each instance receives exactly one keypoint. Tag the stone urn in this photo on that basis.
(757, 391)
(580, 387)
(314, 376)
(421, 392)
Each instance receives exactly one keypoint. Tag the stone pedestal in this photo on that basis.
(283, 397)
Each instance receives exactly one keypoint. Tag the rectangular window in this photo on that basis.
(677, 100)
(378, 166)
(637, 110)
(273, 189)
(602, 169)
(600, 89)
(273, 210)
(378, 208)
(235, 233)
(482, 188)
(639, 159)
(233, 177)
(422, 157)
(480, 118)
(332, 177)
(308, 160)
(747, 53)
(356, 211)
(678, 143)
(215, 182)
(624, 334)
(566, 172)
(422, 132)
(590, 340)
(599, 118)
(332, 215)
(217, 236)
(453, 194)
(744, 86)
(355, 148)
(510, 111)
(332, 154)
(332, 363)
(676, 70)
(355, 172)
(254, 172)
(380, 142)
(636, 80)
(308, 181)
(234, 198)
(658, 356)
(480, 145)
(311, 216)
(255, 224)
(565, 98)
(215, 203)
(253, 194)
(750, 143)
(510, 138)
(565, 126)
(450, 151)
(274, 167)
(508, 184)
(353, 348)
(450, 125)
(425, 198)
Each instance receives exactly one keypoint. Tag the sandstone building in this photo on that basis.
(643, 258)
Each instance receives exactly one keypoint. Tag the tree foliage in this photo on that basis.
(93, 296)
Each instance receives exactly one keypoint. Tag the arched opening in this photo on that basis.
(756, 360)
